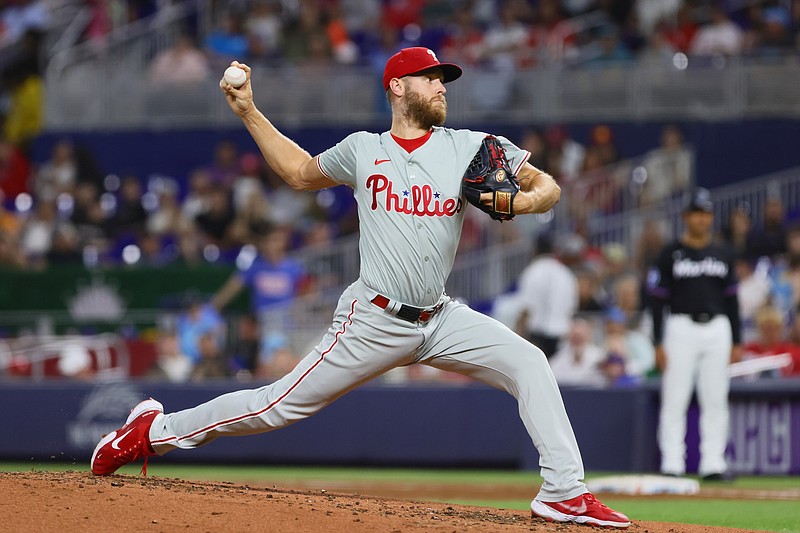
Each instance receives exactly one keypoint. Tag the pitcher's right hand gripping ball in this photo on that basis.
(489, 173)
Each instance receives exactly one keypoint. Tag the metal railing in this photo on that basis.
(625, 227)
(113, 91)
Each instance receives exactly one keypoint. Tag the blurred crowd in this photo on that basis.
(586, 306)
(231, 208)
(67, 210)
(502, 34)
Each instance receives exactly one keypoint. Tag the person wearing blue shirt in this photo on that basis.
(273, 279)
(198, 320)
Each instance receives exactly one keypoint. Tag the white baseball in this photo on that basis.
(235, 77)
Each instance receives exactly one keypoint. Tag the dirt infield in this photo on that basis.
(77, 502)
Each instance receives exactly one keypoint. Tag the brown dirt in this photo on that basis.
(77, 502)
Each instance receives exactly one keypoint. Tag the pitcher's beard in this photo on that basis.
(425, 113)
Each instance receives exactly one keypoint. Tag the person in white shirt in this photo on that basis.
(578, 360)
(548, 290)
(721, 37)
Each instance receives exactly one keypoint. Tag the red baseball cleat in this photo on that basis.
(583, 509)
(129, 442)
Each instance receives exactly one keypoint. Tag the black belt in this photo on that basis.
(407, 312)
(702, 318)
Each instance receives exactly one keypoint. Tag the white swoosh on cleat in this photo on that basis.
(115, 442)
(577, 509)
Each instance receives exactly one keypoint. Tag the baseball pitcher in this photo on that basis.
(412, 184)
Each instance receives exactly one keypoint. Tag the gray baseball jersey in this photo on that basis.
(396, 313)
(409, 205)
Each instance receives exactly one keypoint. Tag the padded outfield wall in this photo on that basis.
(462, 425)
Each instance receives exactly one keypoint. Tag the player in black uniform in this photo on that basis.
(695, 282)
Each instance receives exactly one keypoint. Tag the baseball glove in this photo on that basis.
(489, 172)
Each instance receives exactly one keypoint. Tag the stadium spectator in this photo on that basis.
(768, 239)
(190, 252)
(274, 282)
(771, 36)
(616, 265)
(608, 50)
(75, 362)
(533, 141)
(565, 155)
(252, 217)
(180, 64)
(648, 246)
(228, 41)
(59, 173)
(669, 168)
(88, 215)
(552, 34)
(304, 37)
(24, 120)
(771, 340)
(129, 216)
(626, 298)
(21, 16)
(591, 298)
(276, 359)
(212, 364)
(215, 224)
(463, 40)
(650, 12)
(632, 347)
(785, 273)
(172, 364)
(398, 14)
(719, 36)
(167, 219)
(15, 170)
(502, 51)
(66, 246)
(10, 226)
(197, 320)
(245, 349)
(152, 250)
(226, 165)
(263, 27)
(676, 32)
(736, 231)
(548, 289)
(614, 373)
(343, 49)
(578, 360)
(36, 236)
(754, 293)
(198, 198)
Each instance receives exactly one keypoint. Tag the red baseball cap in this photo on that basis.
(414, 60)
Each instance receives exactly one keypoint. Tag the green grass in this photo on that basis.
(758, 515)
(762, 515)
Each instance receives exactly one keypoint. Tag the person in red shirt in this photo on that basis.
(771, 340)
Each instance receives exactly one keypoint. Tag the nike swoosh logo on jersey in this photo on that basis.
(115, 442)
(379, 161)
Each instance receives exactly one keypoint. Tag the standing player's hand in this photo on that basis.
(736, 353)
(661, 358)
(240, 100)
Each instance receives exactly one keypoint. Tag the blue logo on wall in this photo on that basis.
(103, 409)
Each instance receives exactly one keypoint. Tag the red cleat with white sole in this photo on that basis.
(129, 442)
(583, 509)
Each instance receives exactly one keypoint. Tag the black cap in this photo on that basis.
(700, 201)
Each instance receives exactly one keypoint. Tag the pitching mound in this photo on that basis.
(77, 502)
